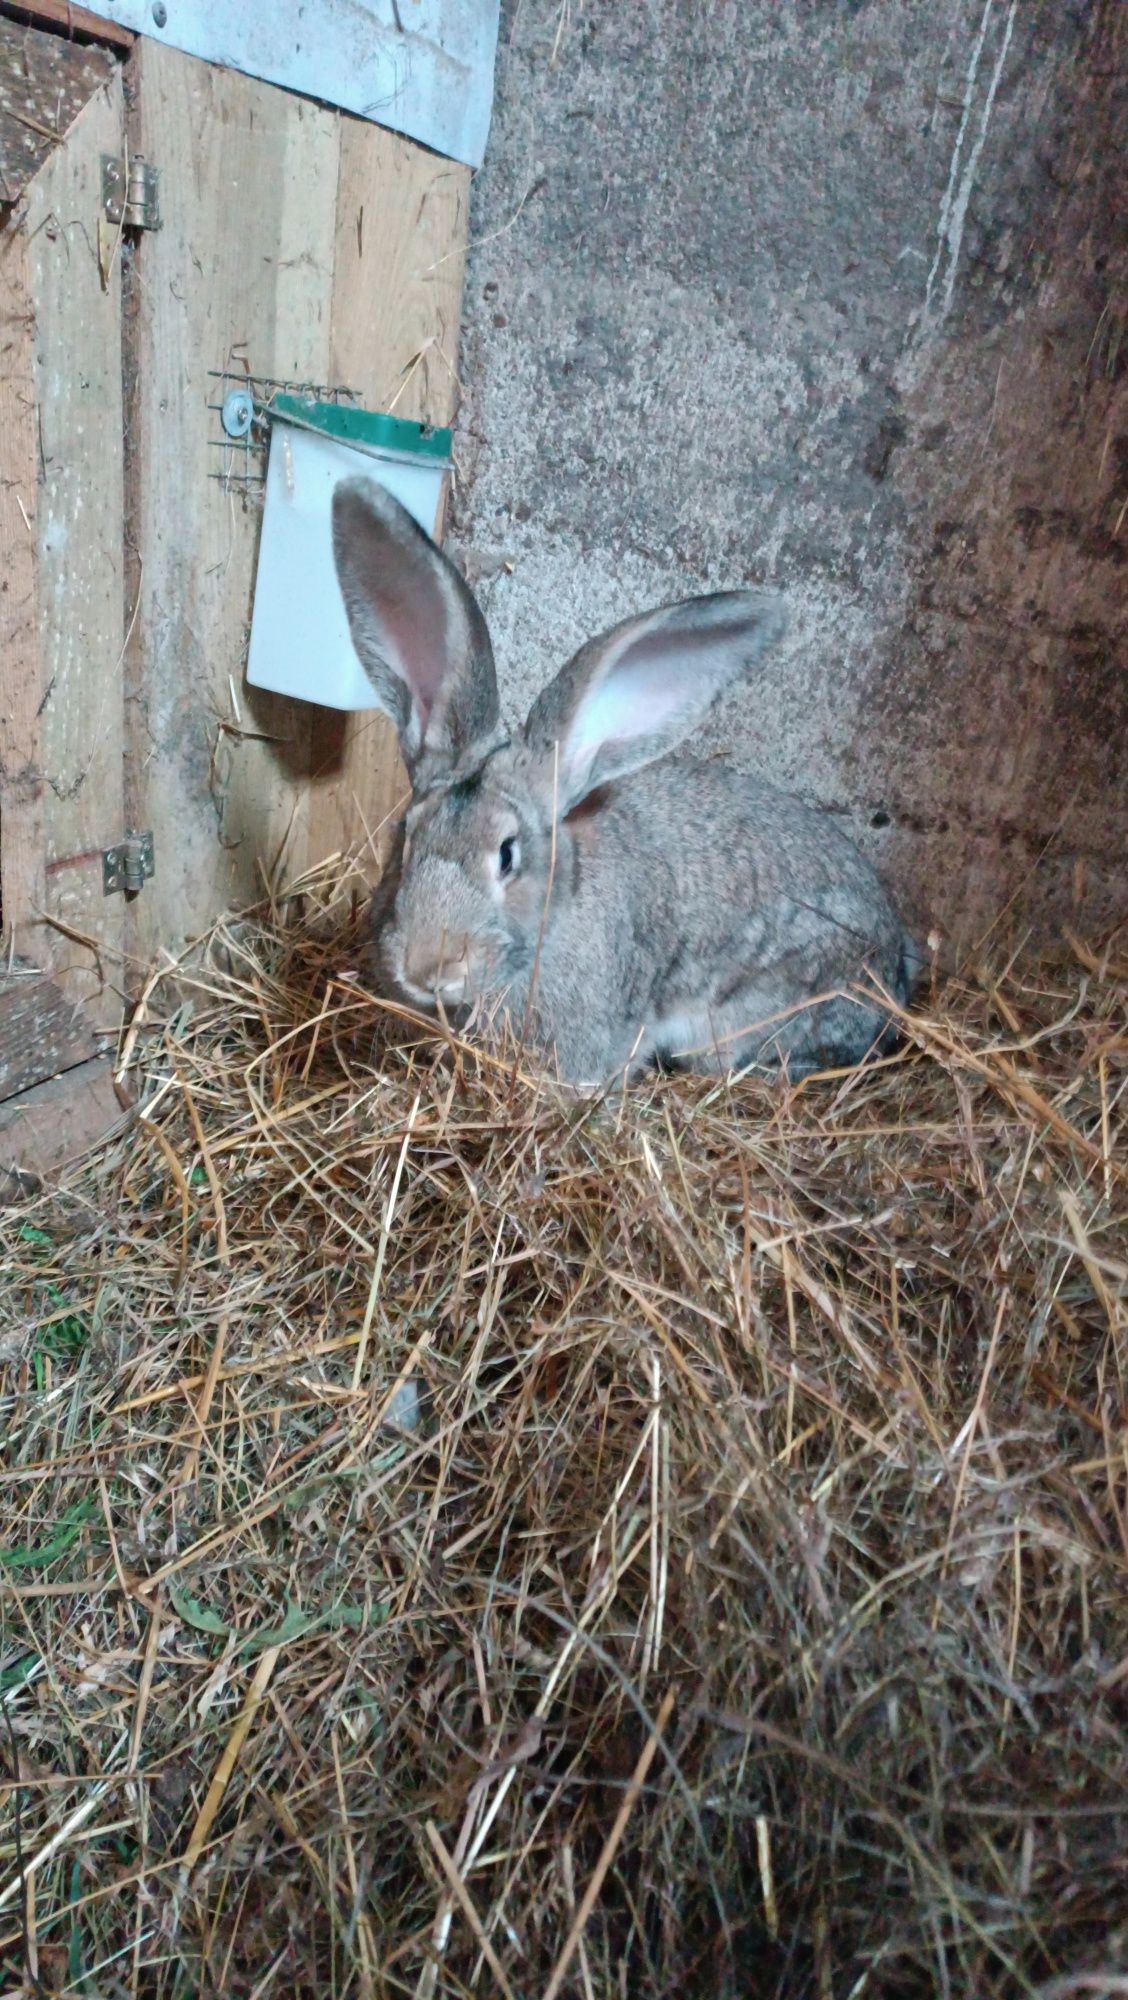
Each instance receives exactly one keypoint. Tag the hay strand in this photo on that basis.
(459, 1538)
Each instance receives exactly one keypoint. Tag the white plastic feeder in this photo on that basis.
(300, 643)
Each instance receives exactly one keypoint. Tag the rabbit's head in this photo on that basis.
(464, 903)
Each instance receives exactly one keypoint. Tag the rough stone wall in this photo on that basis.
(831, 294)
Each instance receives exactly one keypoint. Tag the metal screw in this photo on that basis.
(160, 13)
(238, 412)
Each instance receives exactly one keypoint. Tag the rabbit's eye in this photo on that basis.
(507, 858)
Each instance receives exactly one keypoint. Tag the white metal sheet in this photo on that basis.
(423, 67)
(300, 640)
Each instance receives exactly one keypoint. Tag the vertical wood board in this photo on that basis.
(401, 227)
(401, 222)
(240, 275)
(22, 881)
(80, 532)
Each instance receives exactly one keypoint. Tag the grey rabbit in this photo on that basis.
(655, 907)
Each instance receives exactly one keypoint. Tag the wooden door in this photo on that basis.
(61, 590)
(297, 244)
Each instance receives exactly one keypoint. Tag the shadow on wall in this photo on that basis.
(1016, 625)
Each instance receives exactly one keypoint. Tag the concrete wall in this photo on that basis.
(831, 293)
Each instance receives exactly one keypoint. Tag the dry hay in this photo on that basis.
(458, 1540)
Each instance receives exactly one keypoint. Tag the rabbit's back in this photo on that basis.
(704, 912)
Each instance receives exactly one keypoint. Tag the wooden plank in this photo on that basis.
(52, 1127)
(240, 275)
(401, 230)
(80, 535)
(398, 272)
(44, 83)
(76, 23)
(41, 1031)
(22, 881)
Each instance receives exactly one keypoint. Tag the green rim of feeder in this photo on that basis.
(371, 428)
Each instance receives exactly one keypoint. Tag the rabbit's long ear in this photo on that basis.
(633, 694)
(418, 632)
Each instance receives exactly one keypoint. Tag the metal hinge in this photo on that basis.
(131, 197)
(128, 865)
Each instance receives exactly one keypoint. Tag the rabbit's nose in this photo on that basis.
(442, 973)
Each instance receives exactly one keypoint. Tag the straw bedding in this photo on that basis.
(458, 1539)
